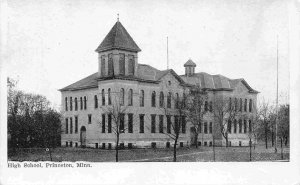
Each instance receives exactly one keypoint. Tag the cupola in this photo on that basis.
(189, 68)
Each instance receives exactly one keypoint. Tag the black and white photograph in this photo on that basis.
(150, 92)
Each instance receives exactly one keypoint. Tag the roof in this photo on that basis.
(85, 83)
(214, 82)
(190, 63)
(118, 38)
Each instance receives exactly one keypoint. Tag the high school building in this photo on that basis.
(144, 90)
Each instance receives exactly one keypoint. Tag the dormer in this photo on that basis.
(117, 53)
(189, 68)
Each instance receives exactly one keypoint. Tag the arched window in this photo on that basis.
(109, 97)
(250, 126)
(234, 126)
(122, 63)
(122, 96)
(81, 103)
(84, 103)
(76, 104)
(161, 99)
(177, 101)
(103, 65)
(153, 98)
(71, 103)
(142, 94)
(130, 93)
(245, 105)
(103, 97)
(96, 101)
(235, 104)
(131, 65)
(241, 105)
(229, 126)
(110, 65)
(66, 103)
(169, 100)
(250, 105)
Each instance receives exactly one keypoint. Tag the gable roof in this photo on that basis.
(190, 63)
(85, 83)
(118, 38)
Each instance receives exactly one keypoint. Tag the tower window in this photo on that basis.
(122, 63)
(131, 65)
(110, 65)
(103, 65)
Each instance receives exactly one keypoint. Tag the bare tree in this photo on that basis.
(196, 109)
(264, 114)
(225, 112)
(116, 111)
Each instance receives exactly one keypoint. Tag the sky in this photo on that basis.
(51, 44)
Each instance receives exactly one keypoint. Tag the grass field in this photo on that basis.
(201, 154)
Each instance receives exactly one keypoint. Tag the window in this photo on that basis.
(109, 146)
(181, 144)
(130, 145)
(130, 93)
(177, 101)
(250, 126)
(161, 124)
(229, 126)
(110, 65)
(245, 126)
(122, 63)
(153, 123)
(142, 94)
(161, 99)
(241, 105)
(177, 126)
(245, 105)
(169, 100)
(103, 145)
(71, 126)
(210, 127)
(235, 104)
(66, 104)
(240, 143)
(122, 146)
(210, 106)
(96, 145)
(66, 144)
(234, 126)
(81, 104)
(183, 125)
(250, 105)
(121, 127)
(205, 128)
(200, 127)
(96, 101)
(230, 103)
(168, 144)
(76, 124)
(141, 123)
(153, 97)
(71, 144)
(122, 96)
(76, 144)
(84, 103)
(205, 143)
(205, 106)
(76, 104)
(130, 126)
(103, 97)
(89, 119)
(71, 104)
(240, 126)
(109, 97)
(67, 127)
(169, 124)
(103, 123)
(103, 65)
(131, 65)
(109, 123)
(153, 145)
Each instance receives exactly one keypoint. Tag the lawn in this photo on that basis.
(201, 154)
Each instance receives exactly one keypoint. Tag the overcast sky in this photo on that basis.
(51, 44)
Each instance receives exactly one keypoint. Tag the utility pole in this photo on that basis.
(276, 123)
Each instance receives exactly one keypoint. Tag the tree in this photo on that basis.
(196, 109)
(284, 123)
(264, 113)
(224, 112)
(176, 128)
(116, 111)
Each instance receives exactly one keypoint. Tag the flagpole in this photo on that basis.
(276, 123)
(167, 53)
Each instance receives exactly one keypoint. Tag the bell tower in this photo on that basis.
(189, 68)
(117, 53)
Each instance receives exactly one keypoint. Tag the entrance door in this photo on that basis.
(83, 136)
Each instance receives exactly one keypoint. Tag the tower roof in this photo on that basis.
(189, 63)
(118, 38)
